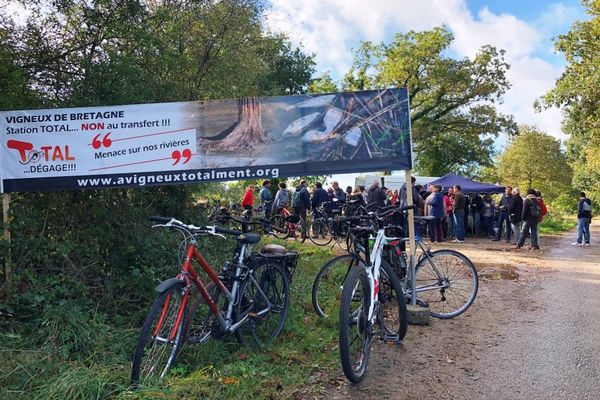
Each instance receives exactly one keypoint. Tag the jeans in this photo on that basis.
(435, 230)
(529, 227)
(450, 222)
(503, 218)
(516, 227)
(488, 226)
(459, 224)
(583, 230)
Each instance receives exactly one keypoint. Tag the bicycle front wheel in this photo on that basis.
(446, 281)
(263, 303)
(393, 315)
(161, 338)
(327, 287)
(356, 333)
(318, 233)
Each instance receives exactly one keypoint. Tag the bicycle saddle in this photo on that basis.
(273, 249)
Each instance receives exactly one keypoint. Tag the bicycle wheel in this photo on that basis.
(356, 334)
(264, 303)
(327, 287)
(318, 232)
(447, 282)
(393, 315)
(160, 339)
(279, 222)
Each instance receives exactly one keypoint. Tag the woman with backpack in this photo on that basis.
(530, 216)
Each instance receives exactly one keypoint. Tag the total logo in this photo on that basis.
(29, 155)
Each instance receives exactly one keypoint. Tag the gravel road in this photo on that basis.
(532, 333)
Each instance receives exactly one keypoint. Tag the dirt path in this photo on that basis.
(532, 333)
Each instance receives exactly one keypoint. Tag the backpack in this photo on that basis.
(534, 209)
(297, 199)
(587, 206)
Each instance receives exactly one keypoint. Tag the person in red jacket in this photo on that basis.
(248, 200)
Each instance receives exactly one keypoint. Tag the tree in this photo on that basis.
(453, 115)
(323, 84)
(576, 92)
(534, 159)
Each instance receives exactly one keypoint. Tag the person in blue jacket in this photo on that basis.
(435, 203)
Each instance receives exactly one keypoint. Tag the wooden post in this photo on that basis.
(7, 258)
(411, 238)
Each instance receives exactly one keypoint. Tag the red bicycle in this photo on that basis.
(285, 224)
(249, 298)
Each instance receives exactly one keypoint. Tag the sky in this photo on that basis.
(524, 28)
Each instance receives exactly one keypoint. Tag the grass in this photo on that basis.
(555, 223)
(74, 355)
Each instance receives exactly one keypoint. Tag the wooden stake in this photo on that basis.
(7, 259)
(411, 238)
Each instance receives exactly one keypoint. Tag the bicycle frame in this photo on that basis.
(425, 252)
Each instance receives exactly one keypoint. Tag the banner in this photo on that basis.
(193, 142)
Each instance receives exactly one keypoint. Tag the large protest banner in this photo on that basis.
(193, 142)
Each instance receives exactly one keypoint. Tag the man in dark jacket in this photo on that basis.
(584, 218)
(376, 195)
(458, 210)
(320, 196)
(417, 199)
(503, 215)
(530, 215)
(302, 204)
(515, 209)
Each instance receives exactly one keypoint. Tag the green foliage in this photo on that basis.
(555, 222)
(576, 92)
(323, 84)
(453, 115)
(534, 160)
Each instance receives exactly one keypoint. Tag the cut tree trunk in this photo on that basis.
(248, 131)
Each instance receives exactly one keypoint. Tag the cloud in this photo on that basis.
(333, 28)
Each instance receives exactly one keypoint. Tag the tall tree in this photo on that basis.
(577, 92)
(534, 159)
(453, 114)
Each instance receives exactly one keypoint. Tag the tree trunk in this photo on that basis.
(248, 132)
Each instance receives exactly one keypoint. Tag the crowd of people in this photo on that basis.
(455, 214)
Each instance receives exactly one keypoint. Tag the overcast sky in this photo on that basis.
(525, 29)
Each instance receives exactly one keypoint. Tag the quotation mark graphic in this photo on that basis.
(106, 142)
(177, 156)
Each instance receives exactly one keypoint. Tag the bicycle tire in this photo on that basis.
(149, 362)
(280, 222)
(393, 315)
(327, 287)
(457, 271)
(320, 227)
(355, 334)
(273, 281)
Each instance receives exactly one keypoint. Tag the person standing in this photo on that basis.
(302, 204)
(376, 195)
(417, 199)
(515, 211)
(338, 193)
(435, 204)
(265, 197)
(503, 215)
(448, 200)
(540, 200)
(348, 192)
(458, 210)
(281, 197)
(476, 207)
(248, 199)
(584, 218)
(488, 215)
(530, 215)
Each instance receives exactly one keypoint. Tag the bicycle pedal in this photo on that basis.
(389, 338)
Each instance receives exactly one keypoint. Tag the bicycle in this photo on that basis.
(248, 298)
(286, 224)
(327, 286)
(372, 303)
